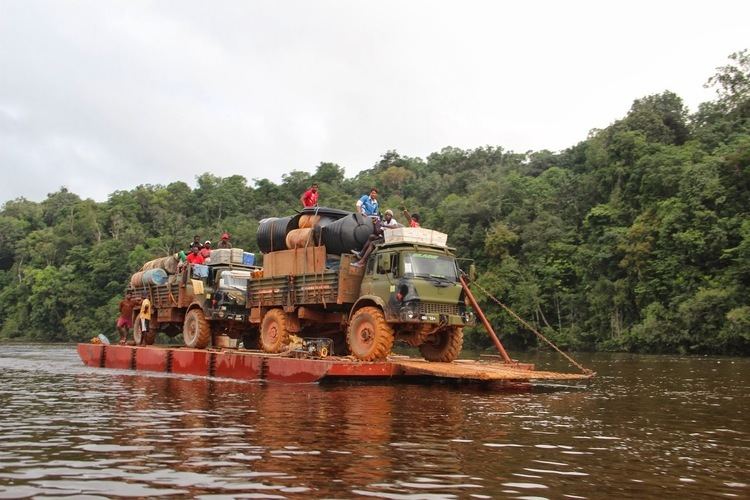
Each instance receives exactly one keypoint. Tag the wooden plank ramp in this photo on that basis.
(480, 371)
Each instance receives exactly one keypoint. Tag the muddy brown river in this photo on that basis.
(648, 426)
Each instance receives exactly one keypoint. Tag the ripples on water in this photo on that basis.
(647, 426)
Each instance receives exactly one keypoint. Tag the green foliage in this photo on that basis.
(637, 238)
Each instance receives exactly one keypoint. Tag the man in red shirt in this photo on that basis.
(195, 257)
(310, 197)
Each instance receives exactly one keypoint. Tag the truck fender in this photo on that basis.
(366, 300)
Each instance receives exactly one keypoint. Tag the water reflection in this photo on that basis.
(647, 426)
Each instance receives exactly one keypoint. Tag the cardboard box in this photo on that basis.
(310, 260)
(236, 257)
(415, 235)
(221, 256)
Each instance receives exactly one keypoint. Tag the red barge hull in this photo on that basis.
(259, 366)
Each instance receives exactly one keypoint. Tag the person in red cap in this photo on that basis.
(224, 242)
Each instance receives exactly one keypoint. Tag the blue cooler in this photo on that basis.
(248, 259)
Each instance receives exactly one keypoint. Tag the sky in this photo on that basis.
(99, 96)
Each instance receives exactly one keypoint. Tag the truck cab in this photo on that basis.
(410, 292)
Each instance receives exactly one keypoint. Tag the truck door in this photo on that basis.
(384, 273)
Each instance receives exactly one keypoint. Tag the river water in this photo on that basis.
(647, 426)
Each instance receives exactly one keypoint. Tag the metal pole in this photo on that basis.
(487, 326)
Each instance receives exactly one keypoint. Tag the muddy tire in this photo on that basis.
(138, 334)
(196, 332)
(369, 336)
(274, 337)
(444, 346)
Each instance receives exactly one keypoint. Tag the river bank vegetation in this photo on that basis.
(637, 238)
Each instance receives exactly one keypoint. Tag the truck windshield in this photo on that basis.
(427, 265)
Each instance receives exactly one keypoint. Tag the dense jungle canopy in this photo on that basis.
(636, 239)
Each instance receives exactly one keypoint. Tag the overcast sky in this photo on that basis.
(101, 95)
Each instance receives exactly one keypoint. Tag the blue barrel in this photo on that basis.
(347, 234)
(272, 233)
(155, 277)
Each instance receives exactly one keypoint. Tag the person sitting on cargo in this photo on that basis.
(195, 257)
(367, 205)
(310, 197)
(388, 221)
(196, 241)
(377, 236)
(206, 250)
(125, 320)
(224, 241)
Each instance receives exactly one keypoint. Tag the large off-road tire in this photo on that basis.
(139, 336)
(369, 336)
(444, 346)
(196, 332)
(274, 337)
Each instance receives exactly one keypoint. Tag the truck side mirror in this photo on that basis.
(472, 272)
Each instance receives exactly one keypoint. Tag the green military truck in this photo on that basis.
(409, 291)
(205, 303)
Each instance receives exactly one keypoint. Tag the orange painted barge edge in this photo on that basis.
(259, 366)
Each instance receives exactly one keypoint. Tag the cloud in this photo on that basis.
(100, 96)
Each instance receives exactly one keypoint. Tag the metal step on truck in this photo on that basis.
(408, 291)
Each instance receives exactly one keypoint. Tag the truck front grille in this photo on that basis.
(435, 308)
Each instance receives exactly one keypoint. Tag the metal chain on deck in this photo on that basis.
(534, 330)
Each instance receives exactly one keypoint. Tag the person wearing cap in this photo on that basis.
(224, 241)
(388, 221)
(206, 250)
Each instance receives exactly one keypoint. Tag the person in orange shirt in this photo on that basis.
(413, 219)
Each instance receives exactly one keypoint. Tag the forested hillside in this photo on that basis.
(637, 238)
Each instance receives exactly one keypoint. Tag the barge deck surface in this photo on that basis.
(256, 365)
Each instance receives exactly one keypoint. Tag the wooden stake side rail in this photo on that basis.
(253, 365)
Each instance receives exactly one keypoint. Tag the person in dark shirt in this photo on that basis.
(196, 241)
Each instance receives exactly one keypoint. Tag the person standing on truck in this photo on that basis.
(224, 241)
(310, 197)
(125, 320)
(145, 316)
(195, 257)
(367, 205)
